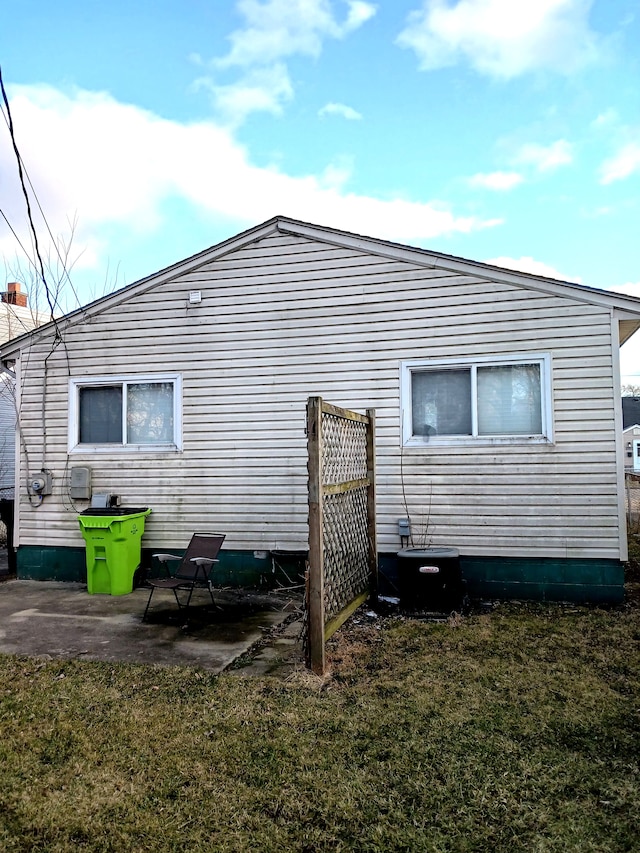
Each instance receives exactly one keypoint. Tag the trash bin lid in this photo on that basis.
(116, 510)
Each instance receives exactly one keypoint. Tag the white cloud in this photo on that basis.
(623, 164)
(117, 166)
(340, 110)
(631, 288)
(259, 90)
(546, 157)
(274, 30)
(605, 119)
(359, 13)
(530, 265)
(278, 28)
(337, 174)
(498, 181)
(502, 38)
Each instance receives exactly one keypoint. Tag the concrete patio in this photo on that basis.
(61, 620)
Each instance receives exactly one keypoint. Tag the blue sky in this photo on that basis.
(495, 130)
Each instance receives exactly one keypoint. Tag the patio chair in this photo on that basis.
(193, 569)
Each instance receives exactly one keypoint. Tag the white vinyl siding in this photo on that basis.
(7, 437)
(285, 318)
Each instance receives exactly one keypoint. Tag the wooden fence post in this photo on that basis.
(371, 504)
(316, 614)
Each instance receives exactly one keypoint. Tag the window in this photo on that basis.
(131, 412)
(480, 401)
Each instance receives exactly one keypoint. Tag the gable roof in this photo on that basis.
(630, 412)
(624, 308)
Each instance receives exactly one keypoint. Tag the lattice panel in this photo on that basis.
(342, 559)
(346, 548)
(344, 450)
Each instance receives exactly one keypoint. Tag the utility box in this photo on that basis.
(41, 483)
(80, 483)
(113, 538)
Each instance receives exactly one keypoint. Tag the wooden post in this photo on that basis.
(316, 616)
(371, 503)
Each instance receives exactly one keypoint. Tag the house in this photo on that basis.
(631, 432)
(16, 317)
(186, 392)
(631, 439)
(7, 436)
(7, 463)
(630, 412)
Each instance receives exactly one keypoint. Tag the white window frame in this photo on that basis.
(75, 384)
(407, 368)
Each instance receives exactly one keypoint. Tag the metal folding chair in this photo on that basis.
(193, 570)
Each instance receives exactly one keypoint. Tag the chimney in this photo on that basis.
(13, 295)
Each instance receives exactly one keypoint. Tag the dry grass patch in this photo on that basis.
(515, 730)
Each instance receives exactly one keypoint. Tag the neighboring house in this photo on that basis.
(16, 315)
(630, 411)
(631, 432)
(16, 318)
(7, 436)
(186, 392)
(631, 437)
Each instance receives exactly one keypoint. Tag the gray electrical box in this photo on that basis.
(404, 527)
(80, 484)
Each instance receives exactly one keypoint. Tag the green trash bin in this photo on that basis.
(113, 541)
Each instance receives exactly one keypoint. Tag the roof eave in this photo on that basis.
(627, 326)
(451, 263)
(11, 350)
(627, 308)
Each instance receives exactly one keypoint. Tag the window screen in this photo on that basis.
(101, 415)
(441, 402)
(150, 413)
(509, 400)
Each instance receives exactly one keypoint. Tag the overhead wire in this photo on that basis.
(40, 270)
(25, 193)
(21, 164)
(34, 234)
(17, 317)
(15, 234)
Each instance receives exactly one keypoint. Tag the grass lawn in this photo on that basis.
(515, 730)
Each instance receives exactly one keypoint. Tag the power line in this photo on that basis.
(19, 242)
(27, 202)
(61, 258)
